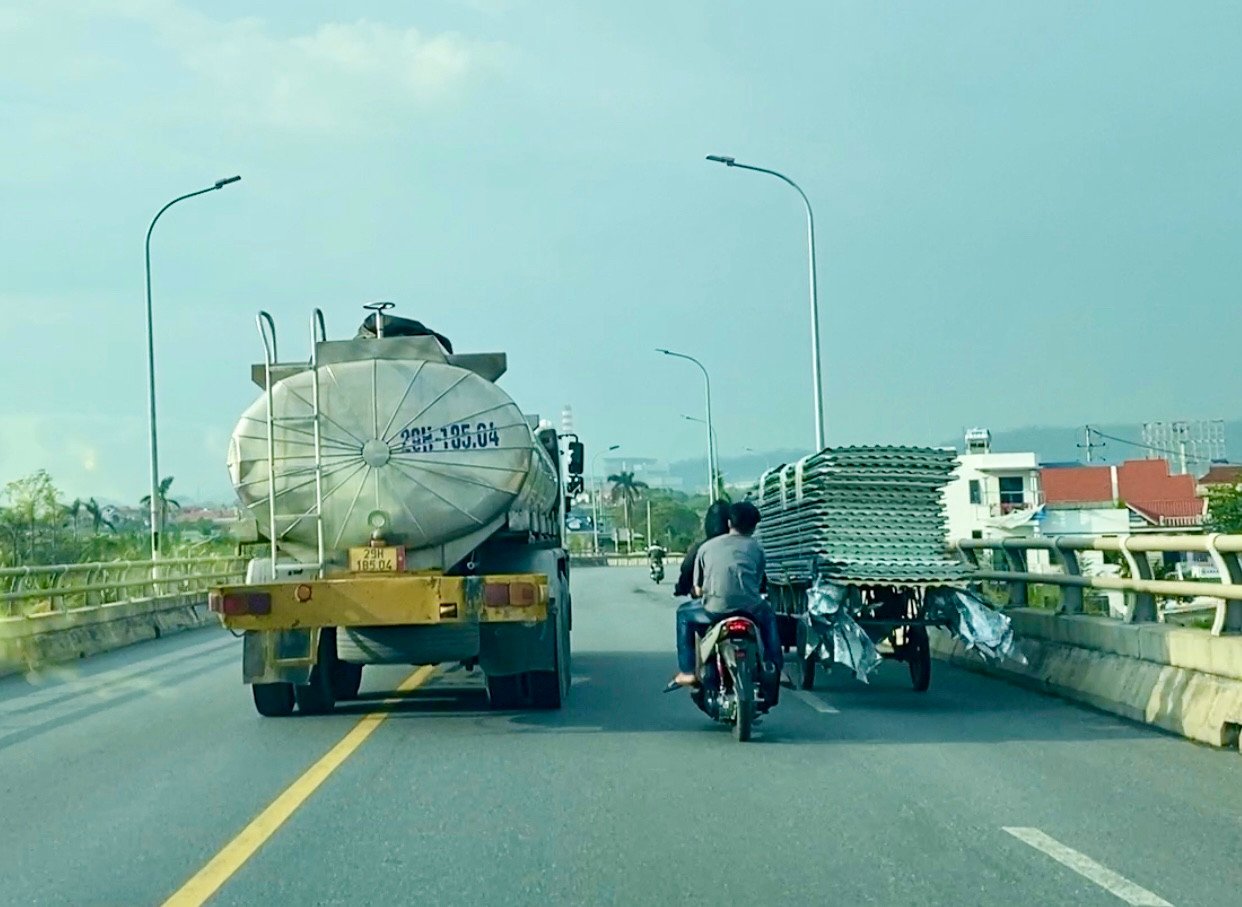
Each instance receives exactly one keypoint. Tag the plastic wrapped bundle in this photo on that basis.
(836, 637)
(977, 624)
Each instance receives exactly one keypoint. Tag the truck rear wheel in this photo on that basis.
(317, 696)
(548, 689)
(504, 692)
(273, 700)
(545, 689)
(346, 681)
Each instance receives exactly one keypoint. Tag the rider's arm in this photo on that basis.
(685, 577)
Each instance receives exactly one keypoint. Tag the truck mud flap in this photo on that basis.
(278, 656)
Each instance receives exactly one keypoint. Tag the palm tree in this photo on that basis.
(627, 488)
(95, 512)
(164, 500)
(75, 510)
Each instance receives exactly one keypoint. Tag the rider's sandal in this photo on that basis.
(674, 685)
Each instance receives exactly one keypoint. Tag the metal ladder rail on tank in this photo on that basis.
(267, 332)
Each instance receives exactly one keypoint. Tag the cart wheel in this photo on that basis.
(802, 671)
(918, 658)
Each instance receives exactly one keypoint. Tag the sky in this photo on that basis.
(1026, 213)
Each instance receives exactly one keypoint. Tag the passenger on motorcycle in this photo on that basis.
(715, 522)
(728, 577)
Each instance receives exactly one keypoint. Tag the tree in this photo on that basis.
(626, 488)
(34, 500)
(75, 510)
(164, 501)
(673, 521)
(1224, 509)
(98, 520)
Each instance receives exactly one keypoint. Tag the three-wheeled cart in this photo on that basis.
(892, 615)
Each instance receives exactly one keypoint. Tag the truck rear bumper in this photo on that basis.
(387, 600)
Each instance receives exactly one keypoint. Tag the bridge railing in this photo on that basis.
(1141, 586)
(66, 587)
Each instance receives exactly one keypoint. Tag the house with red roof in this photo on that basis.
(1220, 475)
(1153, 499)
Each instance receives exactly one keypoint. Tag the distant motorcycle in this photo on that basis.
(733, 688)
(657, 572)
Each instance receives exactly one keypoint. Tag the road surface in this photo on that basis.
(128, 774)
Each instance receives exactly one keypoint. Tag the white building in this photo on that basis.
(992, 495)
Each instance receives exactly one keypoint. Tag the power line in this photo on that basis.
(1089, 446)
(1140, 445)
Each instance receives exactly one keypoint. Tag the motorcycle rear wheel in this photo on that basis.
(744, 689)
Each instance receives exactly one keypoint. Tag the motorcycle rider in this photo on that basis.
(729, 577)
(655, 555)
(690, 613)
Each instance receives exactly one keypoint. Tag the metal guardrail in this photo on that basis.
(66, 587)
(1141, 585)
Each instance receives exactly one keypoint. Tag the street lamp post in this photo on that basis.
(711, 457)
(715, 440)
(817, 386)
(156, 510)
(595, 494)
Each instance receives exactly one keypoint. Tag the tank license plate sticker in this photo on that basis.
(457, 436)
(377, 560)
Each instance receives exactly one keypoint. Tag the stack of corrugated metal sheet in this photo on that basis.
(867, 514)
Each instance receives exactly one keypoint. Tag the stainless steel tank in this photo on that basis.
(418, 442)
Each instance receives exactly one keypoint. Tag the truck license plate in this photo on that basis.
(377, 560)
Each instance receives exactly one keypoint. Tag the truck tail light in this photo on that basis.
(510, 595)
(233, 604)
(523, 595)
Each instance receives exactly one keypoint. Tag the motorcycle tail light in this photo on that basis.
(737, 625)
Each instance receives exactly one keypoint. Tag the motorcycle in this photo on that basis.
(733, 687)
(657, 572)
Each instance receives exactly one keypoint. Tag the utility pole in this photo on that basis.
(1089, 445)
(1181, 444)
(650, 540)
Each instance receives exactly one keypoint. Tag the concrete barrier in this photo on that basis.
(1182, 680)
(59, 636)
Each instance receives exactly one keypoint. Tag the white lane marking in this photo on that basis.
(816, 703)
(1082, 864)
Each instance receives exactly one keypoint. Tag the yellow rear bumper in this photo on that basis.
(383, 600)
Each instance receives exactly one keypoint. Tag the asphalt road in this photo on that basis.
(125, 775)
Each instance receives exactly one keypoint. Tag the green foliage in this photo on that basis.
(625, 487)
(37, 528)
(165, 502)
(1225, 509)
(676, 519)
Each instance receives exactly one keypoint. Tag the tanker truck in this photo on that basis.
(407, 512)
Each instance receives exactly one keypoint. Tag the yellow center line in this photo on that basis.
(207, 881)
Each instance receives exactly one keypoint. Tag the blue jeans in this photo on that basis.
(691, 616)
